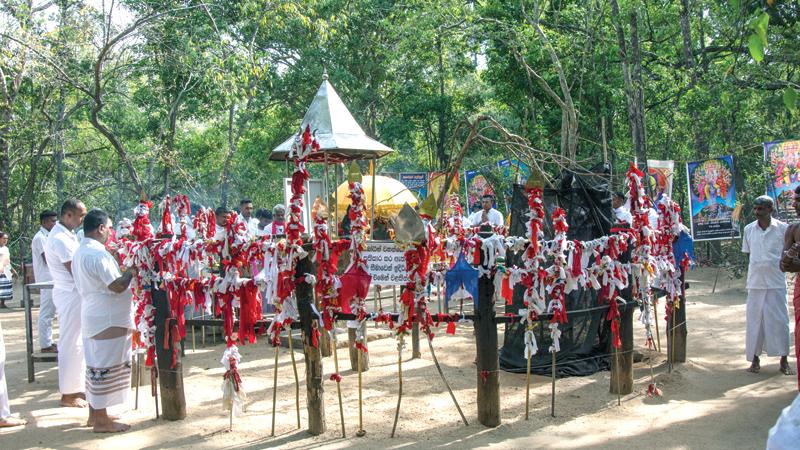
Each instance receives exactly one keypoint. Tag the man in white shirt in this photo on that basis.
(487, 214)
(47, 310)
(278, 225)
(59, 248)
(246, 210)
(221, 214)
(767, 313)
(107, 323)
(620, 210)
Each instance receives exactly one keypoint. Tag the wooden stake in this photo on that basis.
(655, 317)
(203, 329)
(619, 388)
(154, 382)
(553, 390)
(446, 384)
(360, 431)
(296, 379)
(138, 378)
(400, 344)
(274, 389)
(528, 385)
(338, 387)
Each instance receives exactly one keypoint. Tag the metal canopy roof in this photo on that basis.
(338, 133)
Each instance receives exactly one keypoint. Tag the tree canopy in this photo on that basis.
(107, 100)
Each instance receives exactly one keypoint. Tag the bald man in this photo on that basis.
(767, 313)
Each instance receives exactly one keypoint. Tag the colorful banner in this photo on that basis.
(662, 173)
(436, 183)
(783, 158)
(416, 182)
(477, 185)
(514, 170)
(712, 199)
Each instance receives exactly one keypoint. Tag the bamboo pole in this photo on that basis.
(338, 384)
(655, 319)
(528, 381)
(400, 345)
(296, 379)
(446, 384)
(274, 390)
(553, 388)
(360, 431)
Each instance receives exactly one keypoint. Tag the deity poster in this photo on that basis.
(661, 176)
(712, 199)
(783, 158)
(477, 186)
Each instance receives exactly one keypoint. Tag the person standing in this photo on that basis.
(791, 263)
(767, 314)
(278, 226)
(621, 211)
(487, 214)
(6, 420)
(58, 250)
(106, 322)
(264, 220)
(6, 277)
(246, 209)
(41, 274)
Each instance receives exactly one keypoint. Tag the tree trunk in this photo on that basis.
(5, 171)
(631, 74)
(441, 152)
(688, 55)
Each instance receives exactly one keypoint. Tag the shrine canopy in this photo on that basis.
(390, 198)
(339, 135)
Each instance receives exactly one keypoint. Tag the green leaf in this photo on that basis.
(756, 47)
(790, 98)
(760, 25)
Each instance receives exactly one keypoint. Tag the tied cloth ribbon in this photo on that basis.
(555, 334)
(530, 344)
(336, 377)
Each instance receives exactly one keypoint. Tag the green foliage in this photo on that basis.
(202, 82)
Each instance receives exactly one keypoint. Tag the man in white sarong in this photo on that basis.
(58, 250)
(107, 323)
(767, 314)
(6, 419)
(47, 310)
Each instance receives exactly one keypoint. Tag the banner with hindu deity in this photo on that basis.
(783, 158)
(477, 185)
(436, 182)
(712, 199)
(661, 175)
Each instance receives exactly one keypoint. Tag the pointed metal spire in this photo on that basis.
(337, 132)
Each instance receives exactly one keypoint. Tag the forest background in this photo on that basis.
(104, 99)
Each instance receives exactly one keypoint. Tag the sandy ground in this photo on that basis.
(709, 402)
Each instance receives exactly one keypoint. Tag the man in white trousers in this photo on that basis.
(106, 321)
(59, 248)
(6, 420)
(767, 313)
(41, 273)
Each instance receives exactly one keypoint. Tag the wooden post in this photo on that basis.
(488, 378)
(677, 349)
(351, 344)
(325, 338)
(622, 365)
(415, 352)
(173, 401)
(315, 392)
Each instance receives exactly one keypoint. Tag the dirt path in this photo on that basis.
(709, 402)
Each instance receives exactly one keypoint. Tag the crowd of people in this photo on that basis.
(76, 250)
